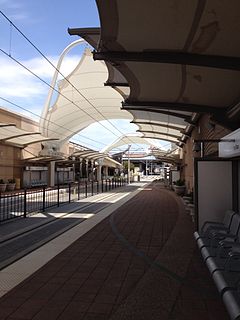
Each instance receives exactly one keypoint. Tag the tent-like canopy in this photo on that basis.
(178, 61)
(127, 140)
(163, 155)
(90, 154)
(83, 100)
(10, 134)
(116, 80)
(135, 138)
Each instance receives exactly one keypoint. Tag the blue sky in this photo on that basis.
(45, 23)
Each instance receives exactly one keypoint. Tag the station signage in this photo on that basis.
(36, 168)
(230, 145)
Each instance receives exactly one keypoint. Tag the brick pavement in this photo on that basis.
(116, 270)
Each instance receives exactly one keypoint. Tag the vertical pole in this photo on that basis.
(202, 149)
(87, 169)
(69, 192)
(52, 173)
(78, 188)
(92, 187)
(58, 195)
(44, 198)
(99, 172)
(25, 203)
(1, 203)
(102, 187)
(97, 186)
(129, 164)
(85, 189)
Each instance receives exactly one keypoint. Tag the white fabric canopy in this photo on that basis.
(155, 150)
(10, 134)
(173, 64)
(89, 154)
(128, 139)
(87, 102)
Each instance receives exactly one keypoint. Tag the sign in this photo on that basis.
(64, 169)
(35, 168)
(231, 147)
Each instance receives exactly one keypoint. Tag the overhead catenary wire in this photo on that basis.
(48, 60)
(45, 82)
(35, 114)
(78, 134)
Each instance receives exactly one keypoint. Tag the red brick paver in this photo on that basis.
(110, 272)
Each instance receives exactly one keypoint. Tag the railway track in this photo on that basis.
(18, 245)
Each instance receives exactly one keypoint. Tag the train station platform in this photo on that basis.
(134, 259)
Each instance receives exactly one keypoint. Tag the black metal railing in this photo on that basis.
(28, 201)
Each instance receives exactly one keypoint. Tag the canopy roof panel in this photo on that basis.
(150, 115)
(189, 64)
(163, 130)
(135, 138)
(163, 155)
(159, 136)
(89, 154)
(205, 27)
(83, 100)
(10, 134)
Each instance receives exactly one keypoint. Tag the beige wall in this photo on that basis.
(10, 164)
(12, 159)
(10, 156)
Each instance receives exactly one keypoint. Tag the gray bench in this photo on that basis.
(219, 245)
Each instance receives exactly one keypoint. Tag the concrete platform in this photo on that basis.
(135, 259)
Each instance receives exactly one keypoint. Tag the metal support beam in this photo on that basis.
(173, 57)
(116, 84)
(180, 106)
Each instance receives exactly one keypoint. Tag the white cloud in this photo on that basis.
(22, 88)
(15, 81)
(15, 10)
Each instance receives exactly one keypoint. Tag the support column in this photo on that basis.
(91, 175)
(86, 168)
(80, 167)
(52, 174)
(105, 171)
(99, 172)
(128, 165)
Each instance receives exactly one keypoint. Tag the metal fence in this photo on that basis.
(23, 203)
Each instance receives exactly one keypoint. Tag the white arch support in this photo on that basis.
(83, 100)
